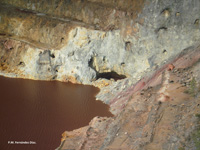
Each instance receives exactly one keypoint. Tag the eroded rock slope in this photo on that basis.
(161, 111)
(98, 41)
(63, 34)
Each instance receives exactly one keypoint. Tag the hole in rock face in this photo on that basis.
(128, 46)
(21, 63)
(40, 111)
(106, 75)
(196, 22)
(62, 39)
(2, 34)
(52, 55)
(111, 75)
(164, 51)
(166, 12)
(161, 29)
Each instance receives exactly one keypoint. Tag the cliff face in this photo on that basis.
(80, 40)
(92, 41)
(161, 111)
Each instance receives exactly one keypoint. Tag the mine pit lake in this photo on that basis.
(38, 112)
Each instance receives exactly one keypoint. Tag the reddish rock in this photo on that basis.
(141, 122)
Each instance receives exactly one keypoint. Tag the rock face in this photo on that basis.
(159, 112)
(88, 38)
(93, 41)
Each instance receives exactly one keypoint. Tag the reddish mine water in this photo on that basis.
(38, 112)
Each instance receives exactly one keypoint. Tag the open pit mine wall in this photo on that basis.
(79, 40)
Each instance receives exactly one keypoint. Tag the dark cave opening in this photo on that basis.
(52, 55)
(110, 75)
(106, 75)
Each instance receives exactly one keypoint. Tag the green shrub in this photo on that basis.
(192, 89)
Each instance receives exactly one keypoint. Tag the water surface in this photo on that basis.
(40, 111)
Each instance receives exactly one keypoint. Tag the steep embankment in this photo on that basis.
(93, 41)
(161, 111)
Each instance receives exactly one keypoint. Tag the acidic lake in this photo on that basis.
(38, 112)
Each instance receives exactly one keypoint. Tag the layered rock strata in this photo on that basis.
(99, 41)
(161, 111)
(76, 50)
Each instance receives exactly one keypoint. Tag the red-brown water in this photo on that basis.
(40, 111)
